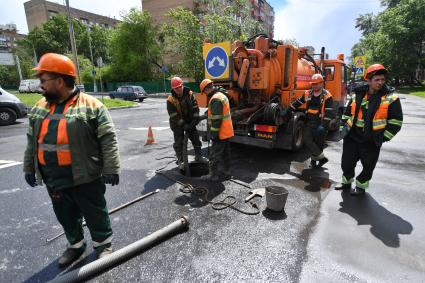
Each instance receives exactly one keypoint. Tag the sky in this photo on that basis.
(317, 23)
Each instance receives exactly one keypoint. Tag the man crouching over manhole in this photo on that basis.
(72, 146)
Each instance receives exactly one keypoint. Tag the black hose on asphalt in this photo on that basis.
(101, 265)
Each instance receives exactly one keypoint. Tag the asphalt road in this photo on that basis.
(323, 236)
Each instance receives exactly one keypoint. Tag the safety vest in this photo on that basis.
(379, 121)
(62, 145)
(226, 127)
(175, 101)
(308, 95)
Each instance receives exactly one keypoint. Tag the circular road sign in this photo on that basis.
(216, 62)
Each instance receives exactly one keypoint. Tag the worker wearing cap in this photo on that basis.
(72, 147)
(319, 112)
(373, 116)
(221, 130)
(184, 115)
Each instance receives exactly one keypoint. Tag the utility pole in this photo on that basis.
(18, 64)
(72, 37)
(91, 56)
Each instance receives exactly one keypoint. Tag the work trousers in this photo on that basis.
(352, 152)
(178, 141)
(88, 201)
(314, 138)
(220, 157)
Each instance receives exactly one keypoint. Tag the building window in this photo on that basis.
(52, 13)
(84, 21)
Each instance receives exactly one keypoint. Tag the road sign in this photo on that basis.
(93, 72)
(360, 63)
(216, 60)
(359, 71)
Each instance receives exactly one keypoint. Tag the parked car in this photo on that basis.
(129, 92)
(29, 86)
(11, 108)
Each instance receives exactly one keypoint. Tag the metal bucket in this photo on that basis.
(276, 198)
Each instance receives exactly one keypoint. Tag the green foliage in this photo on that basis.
(134, 47)
(8, 76)
(396, 40)
(183, 38)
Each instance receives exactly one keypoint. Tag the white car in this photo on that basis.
(30, 86)
(11, 108)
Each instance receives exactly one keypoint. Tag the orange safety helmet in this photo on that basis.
(316, 79)
(56, 63)
(373, 69)
(176, 82)
(204, 84)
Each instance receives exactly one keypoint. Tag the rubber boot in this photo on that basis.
(180, 164)
(344, 187)
(356, 191)
(313, 163)
(213, 174)
(322, 162)
(103, 251)
(70, 255)
(198, 156)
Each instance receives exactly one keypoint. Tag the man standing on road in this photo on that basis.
(221, 129)
(319, 111)
(372, 116)
(72, 146)
(184, 115)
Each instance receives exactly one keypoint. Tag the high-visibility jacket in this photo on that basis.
(92, 140)
(323, 110)
(61, 147)
(182, 110)
(387, 118)
(219, 118)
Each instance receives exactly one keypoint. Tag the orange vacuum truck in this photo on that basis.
(265, 77)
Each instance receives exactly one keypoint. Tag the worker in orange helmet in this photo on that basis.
(372, 116)
(319, 112)
(72, 147)
(184, 116)
(221, 130)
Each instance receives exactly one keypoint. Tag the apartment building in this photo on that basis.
(40, 11)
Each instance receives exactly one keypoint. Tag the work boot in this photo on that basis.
(357, 191)
(180, 164)
(225, 176)
(103, 251)
(322, 162)
(343, 187)
(199, 158)
(70, 255)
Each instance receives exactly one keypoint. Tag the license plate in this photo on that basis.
(202, 126)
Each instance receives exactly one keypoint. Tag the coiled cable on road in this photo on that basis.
(227, 202)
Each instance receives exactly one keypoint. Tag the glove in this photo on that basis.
(30, 179)
(112, 179)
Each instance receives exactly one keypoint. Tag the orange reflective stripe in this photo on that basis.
(43, 131)
(64, 155)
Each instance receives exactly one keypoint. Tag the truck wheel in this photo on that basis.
(297, 137)
(141, 99)
(7, 116)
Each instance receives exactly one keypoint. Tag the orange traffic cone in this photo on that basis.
(150, 137)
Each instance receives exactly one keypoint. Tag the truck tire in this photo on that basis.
(297, 136)
(141, 99)
(7, 116)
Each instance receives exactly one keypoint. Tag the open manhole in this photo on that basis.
(196, 169)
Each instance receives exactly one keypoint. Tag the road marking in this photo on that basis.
(8, 163)
(10, 191)
(153, 128)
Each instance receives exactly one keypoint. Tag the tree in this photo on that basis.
(398, 39)
(134, 47)
(184, 38)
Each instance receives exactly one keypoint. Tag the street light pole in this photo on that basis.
(72, 37)
(91, 56)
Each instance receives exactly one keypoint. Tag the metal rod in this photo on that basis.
(101, 265)
(73, 46)
(111, 211)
